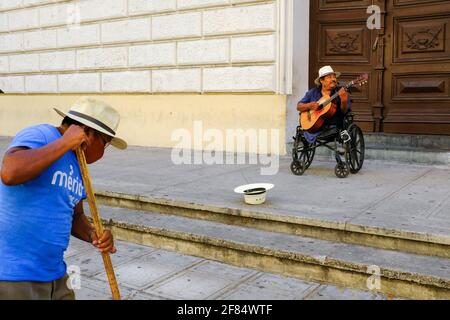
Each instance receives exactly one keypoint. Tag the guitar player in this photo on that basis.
(326, 86)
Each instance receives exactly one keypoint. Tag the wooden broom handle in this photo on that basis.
(97, 222)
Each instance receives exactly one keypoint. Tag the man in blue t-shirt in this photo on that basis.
(41, 200)
(326, 86)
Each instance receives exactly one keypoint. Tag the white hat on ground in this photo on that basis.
(254, 193)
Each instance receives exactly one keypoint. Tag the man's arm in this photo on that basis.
(307, 103)
(83, 230)
(81, 227)
(302, 107)
(22, 164)
(344, 100)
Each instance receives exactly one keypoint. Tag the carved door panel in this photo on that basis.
(417, 77)
(339, 37)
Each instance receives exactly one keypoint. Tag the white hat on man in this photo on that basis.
(97, 115)
(324, 71)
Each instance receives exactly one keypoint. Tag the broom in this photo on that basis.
(97, 222)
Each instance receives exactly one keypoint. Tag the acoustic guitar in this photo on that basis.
(313, 120)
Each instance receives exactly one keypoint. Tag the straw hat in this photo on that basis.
(254, 193)
(97, 115)
(324, 71)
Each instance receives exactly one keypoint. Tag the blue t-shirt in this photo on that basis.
(36, 217)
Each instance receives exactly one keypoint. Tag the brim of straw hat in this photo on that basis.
(116, 142)
(317, 81)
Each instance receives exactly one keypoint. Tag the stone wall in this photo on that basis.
(140, 46)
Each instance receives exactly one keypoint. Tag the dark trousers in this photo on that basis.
(30, 290)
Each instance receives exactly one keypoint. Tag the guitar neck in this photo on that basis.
(334, 96)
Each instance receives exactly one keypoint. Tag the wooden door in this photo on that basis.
(408, 59)
(417, 77)
(339, 37)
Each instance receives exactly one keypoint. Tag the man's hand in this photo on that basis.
(314, 106)
(105, 243)
(75, 136)
(343, 95)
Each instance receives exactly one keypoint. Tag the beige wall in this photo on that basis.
(164, 63)
(150, 120)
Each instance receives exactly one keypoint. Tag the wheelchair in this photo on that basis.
(347, 145)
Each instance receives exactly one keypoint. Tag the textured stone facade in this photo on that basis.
(139, 46)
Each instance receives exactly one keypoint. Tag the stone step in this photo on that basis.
(396, 274)
(430, 142)
(406, 238)
(148, 273)
(397, 153)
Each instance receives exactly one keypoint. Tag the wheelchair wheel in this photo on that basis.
(355, 154)
(297, 168)
(342, 170)
(302, 154)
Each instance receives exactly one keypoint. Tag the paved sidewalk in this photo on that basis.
(396, 196)
(390, 195)
(146, 273)
(384, 194)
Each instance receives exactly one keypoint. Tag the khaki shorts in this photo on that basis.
(30, 290)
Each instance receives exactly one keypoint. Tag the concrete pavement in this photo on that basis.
(146, 273)
(390, 199)
(391, 195)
